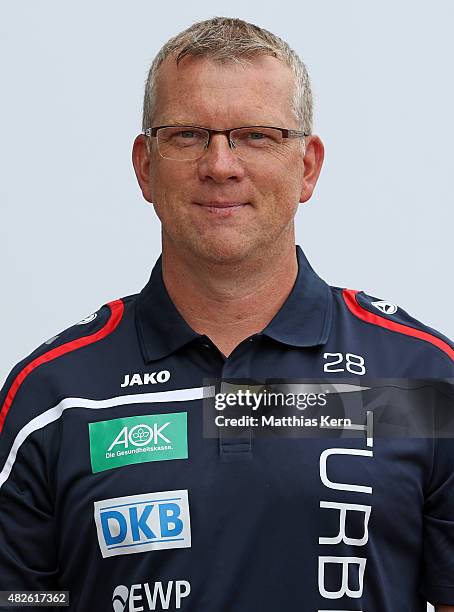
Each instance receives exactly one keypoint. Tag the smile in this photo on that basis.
(221, 208)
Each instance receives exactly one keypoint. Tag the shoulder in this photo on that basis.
(31, 374)
(392, 322)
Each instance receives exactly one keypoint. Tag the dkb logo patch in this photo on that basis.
(139, 523)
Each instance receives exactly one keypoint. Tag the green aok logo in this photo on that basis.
(140, 435)
(138, 439)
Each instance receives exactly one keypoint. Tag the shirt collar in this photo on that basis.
(303, 320)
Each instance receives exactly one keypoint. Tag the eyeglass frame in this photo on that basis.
(286, 132)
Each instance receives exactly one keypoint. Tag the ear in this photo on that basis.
(141, 160)
(313, 160)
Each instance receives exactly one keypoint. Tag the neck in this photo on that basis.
(229, 302)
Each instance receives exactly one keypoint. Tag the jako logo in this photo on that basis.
(385, 307)
(140, 435)
(138, 523)
(88, 319)
(149, 378)
(155, 596)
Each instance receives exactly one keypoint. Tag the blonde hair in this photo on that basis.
(231, 39)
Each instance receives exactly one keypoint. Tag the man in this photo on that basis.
(108, 487)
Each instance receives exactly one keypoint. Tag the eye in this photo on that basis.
(257, 137)
(181, 136)
(185, 134)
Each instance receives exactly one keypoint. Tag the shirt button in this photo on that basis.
(206, 345)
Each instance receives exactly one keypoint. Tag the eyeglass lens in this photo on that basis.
(189, 143)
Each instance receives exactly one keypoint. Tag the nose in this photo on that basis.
(219, 162)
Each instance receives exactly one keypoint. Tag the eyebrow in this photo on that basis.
(242, 124)
(175, 122)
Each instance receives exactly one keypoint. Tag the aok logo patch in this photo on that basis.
(140, 523)
(138, 439)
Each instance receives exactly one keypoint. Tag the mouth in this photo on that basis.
(222, 208)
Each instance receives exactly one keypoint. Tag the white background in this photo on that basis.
(74, 230)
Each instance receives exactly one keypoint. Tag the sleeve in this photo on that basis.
(28, 547)
(29, 524)
(437, 584)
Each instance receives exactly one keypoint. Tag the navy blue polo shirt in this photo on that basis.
(109, 488)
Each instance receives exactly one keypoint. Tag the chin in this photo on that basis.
(222, 251)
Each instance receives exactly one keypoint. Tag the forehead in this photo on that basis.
(203, 89)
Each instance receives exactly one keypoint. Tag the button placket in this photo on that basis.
(237, 366)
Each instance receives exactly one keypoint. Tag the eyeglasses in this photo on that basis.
(189, 142)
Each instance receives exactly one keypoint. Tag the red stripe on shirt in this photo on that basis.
(349, 296)
(116, 309)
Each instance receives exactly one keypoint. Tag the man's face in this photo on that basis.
(265, 191)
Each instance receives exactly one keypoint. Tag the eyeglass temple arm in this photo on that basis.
(295, 134)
